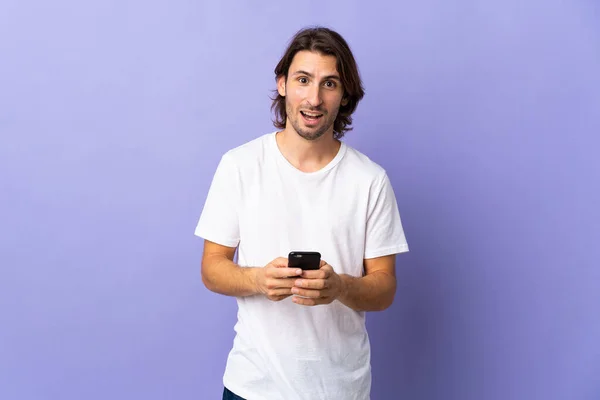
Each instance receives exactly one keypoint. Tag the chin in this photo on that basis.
(311, 136)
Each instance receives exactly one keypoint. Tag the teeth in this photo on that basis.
(311, 114)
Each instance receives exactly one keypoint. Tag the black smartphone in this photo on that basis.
(304, 260)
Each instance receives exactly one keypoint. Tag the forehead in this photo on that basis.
(314, 63)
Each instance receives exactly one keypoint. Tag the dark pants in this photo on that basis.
(229, 395)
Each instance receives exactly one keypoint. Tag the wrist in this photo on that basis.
(252, 279)
(345, 282)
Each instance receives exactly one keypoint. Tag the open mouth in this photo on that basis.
(311, 116)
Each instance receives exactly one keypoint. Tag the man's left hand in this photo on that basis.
(316, 287)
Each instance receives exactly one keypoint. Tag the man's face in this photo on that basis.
(313, 94)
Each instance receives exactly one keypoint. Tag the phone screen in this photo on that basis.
(306, 260)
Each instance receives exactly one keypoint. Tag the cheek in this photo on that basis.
(334, 101)
(294, 98)
(297, 93)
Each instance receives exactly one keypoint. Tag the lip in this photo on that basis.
(311, 122)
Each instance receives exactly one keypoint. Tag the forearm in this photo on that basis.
(221, 275)
(373, 292)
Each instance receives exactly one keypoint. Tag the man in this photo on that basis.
(301, 334)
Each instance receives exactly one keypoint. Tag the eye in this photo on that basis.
(303, 79)
(330, 84)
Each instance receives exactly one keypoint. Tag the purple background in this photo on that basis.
(114, 114)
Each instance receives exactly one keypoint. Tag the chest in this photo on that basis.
(280, 214)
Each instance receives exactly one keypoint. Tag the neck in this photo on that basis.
(307, 155)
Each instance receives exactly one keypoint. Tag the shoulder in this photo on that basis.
(249, 152)
(362, 166)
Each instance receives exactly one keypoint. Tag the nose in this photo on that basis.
(313, 96)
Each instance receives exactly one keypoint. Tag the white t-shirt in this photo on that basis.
(346, 211)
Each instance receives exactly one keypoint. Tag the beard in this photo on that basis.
(306, 132)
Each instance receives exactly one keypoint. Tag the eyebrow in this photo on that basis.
(328, 77)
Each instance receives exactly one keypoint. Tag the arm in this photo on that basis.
(372, 292)
(221, 275)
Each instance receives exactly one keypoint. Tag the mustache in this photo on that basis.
(313, 109)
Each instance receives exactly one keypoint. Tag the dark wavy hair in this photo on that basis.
(326, 42)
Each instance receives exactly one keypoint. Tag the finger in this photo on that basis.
(284, 272)
(311, 293)
(311, 283)
(304, 302)
(314, 274)
(280, 262)
(310, 302)
(328, 270)
(323, 263)
(278, 292)
(278, 298)
(279, 283)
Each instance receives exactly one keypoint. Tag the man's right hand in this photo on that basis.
(275, 280)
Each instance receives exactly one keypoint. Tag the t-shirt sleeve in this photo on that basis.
(384, 234)
(219, 218)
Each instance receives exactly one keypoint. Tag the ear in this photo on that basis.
(345, 101)
(281, 85)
